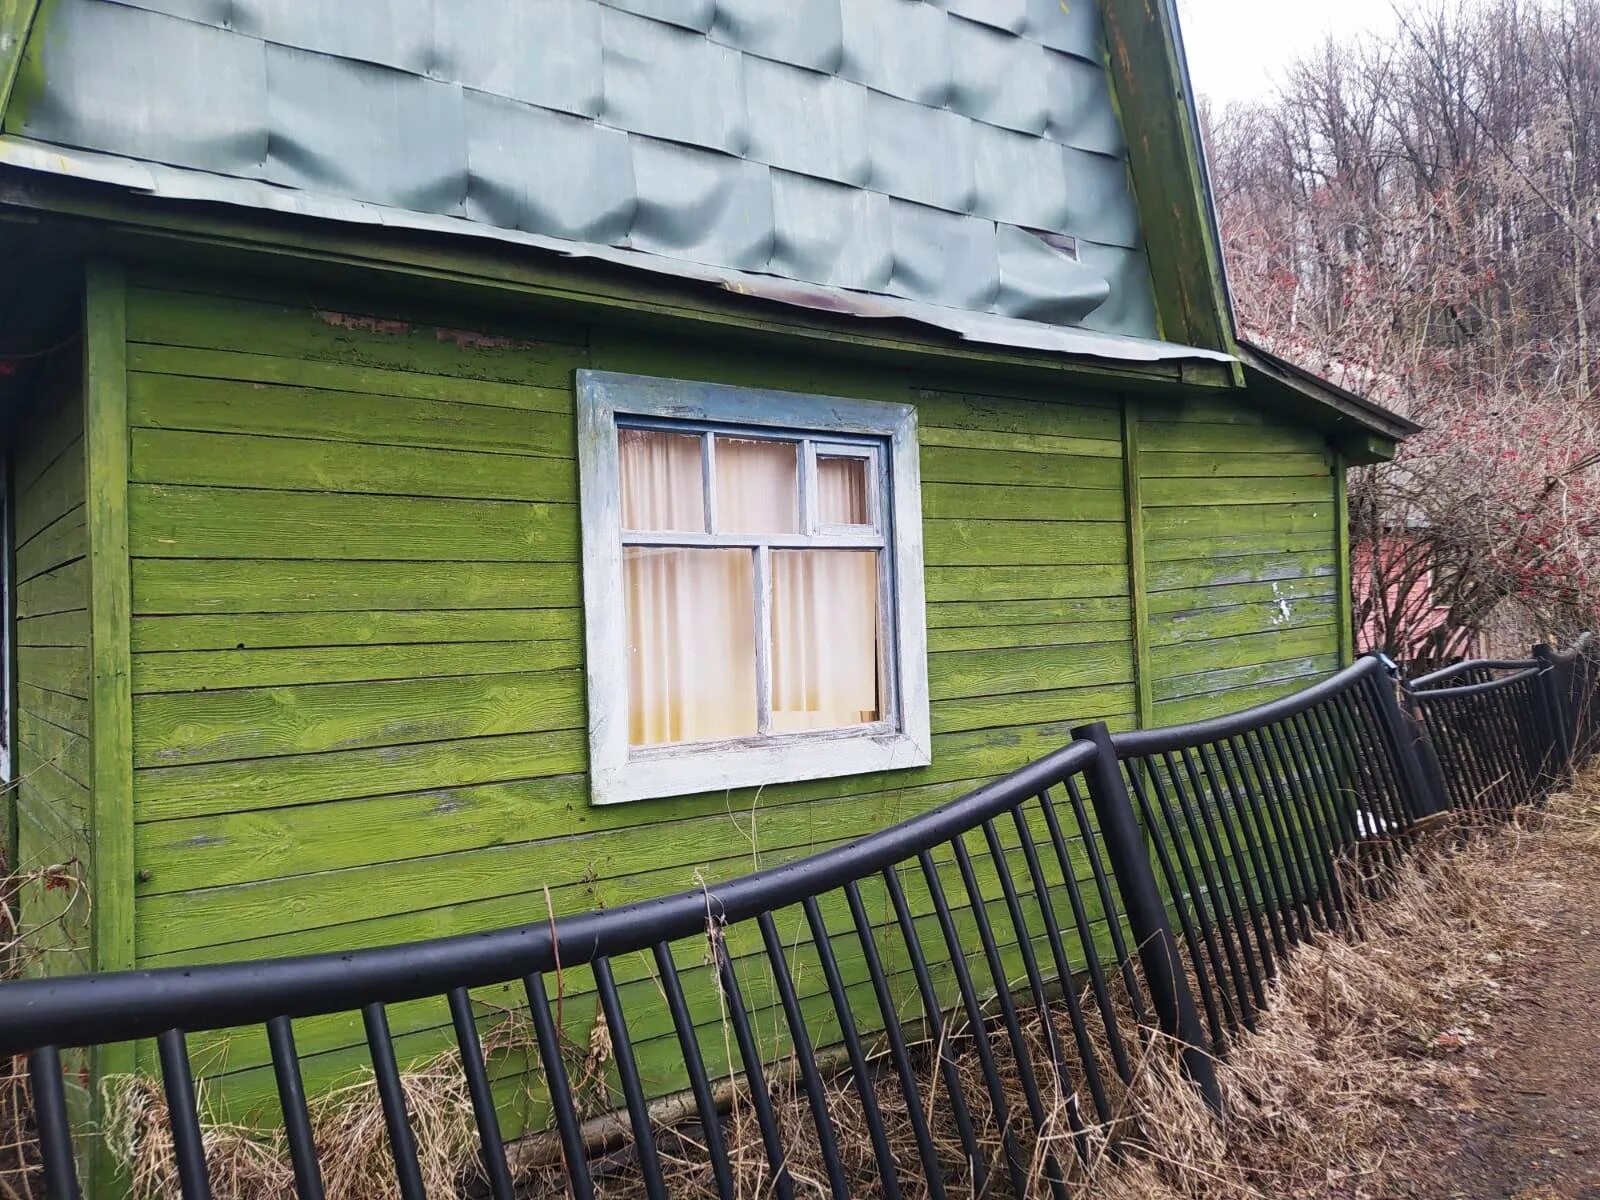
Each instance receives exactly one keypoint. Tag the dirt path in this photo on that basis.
(1520, 1117)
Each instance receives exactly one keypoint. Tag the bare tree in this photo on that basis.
(1419, 219)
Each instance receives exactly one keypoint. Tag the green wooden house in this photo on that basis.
(468, 458)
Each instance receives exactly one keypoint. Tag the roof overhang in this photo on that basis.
(1367, 432)
(146, 179)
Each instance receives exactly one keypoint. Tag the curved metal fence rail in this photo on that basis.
(987, 966)
(1503, 732)
(1259, 823)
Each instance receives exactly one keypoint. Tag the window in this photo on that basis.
(752, 586)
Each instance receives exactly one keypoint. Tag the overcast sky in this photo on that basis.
(1237, 47)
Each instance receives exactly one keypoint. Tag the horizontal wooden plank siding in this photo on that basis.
(359, 713)
(52, 663)
(1240, 517)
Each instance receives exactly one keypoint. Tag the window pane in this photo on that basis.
(691, 644)
(824, 639)
(758, 486)
(662, 487)
(842, 491)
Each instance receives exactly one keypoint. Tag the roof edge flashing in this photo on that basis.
(986, 329)
(1352, 411)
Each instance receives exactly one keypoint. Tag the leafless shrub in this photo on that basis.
(1418, 218)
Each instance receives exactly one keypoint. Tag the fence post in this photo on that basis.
(1418, 762)
(1555, 692)
(1164, 973)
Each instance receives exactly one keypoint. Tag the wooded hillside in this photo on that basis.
(1418, 218)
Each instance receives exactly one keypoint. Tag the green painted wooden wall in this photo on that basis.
(357, 698)
(1241, 556)
(54, 744)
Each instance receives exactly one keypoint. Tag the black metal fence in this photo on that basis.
(1127, 883)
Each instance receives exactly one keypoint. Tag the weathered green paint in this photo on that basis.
(1346, 593)
(53, 746)
(1243, 556)
(1185, 259)
(110, 700)
(1364, 450)
(17, 21)
(1133, 474)
(463, 272)
(373, 624)
(351, 583)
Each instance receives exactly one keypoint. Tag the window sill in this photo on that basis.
(717, 767)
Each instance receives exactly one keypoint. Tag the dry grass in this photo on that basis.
(19, 1148)
(21, 950)
(1357, 1035)
(347, 1126)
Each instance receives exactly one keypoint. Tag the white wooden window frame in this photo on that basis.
(619, 772)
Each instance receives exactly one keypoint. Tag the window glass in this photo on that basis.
(825, 631)
(843, 490)
(749, 618)
(691, 644)
(758, 485)
(663, 488)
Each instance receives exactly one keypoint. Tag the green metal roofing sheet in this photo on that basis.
(957, 161)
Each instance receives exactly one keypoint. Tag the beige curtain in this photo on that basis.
(691, 644)
(758, 486)
(660, 481)
(842, 491)
(825, 616)
(691, 611)
(824, 639)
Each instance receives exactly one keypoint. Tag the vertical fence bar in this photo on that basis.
(861, 1072)
(392, 1095)
(933, 1170)
(1236, 822)
(1235, 871)
(1091, 957)
(1036, 982)
(555, 1073)
(694, 1065)
(188, 1143)
(292, 1100)
(1291, 917)
(1064, 974)
(1287, 834)
(495, 1168)
(1158, 949)
(1553, 694)
(1008, 1013)
(1323, 788)
(644, 1142)
(1311, 820)
(800, 1041)
(938, 1033)
(1108, 900)
(55, 1127)
(1202, 899)
(999, 1106)
(1380, 765)
(1213, 997)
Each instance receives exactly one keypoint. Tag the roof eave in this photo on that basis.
(1282, 380)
